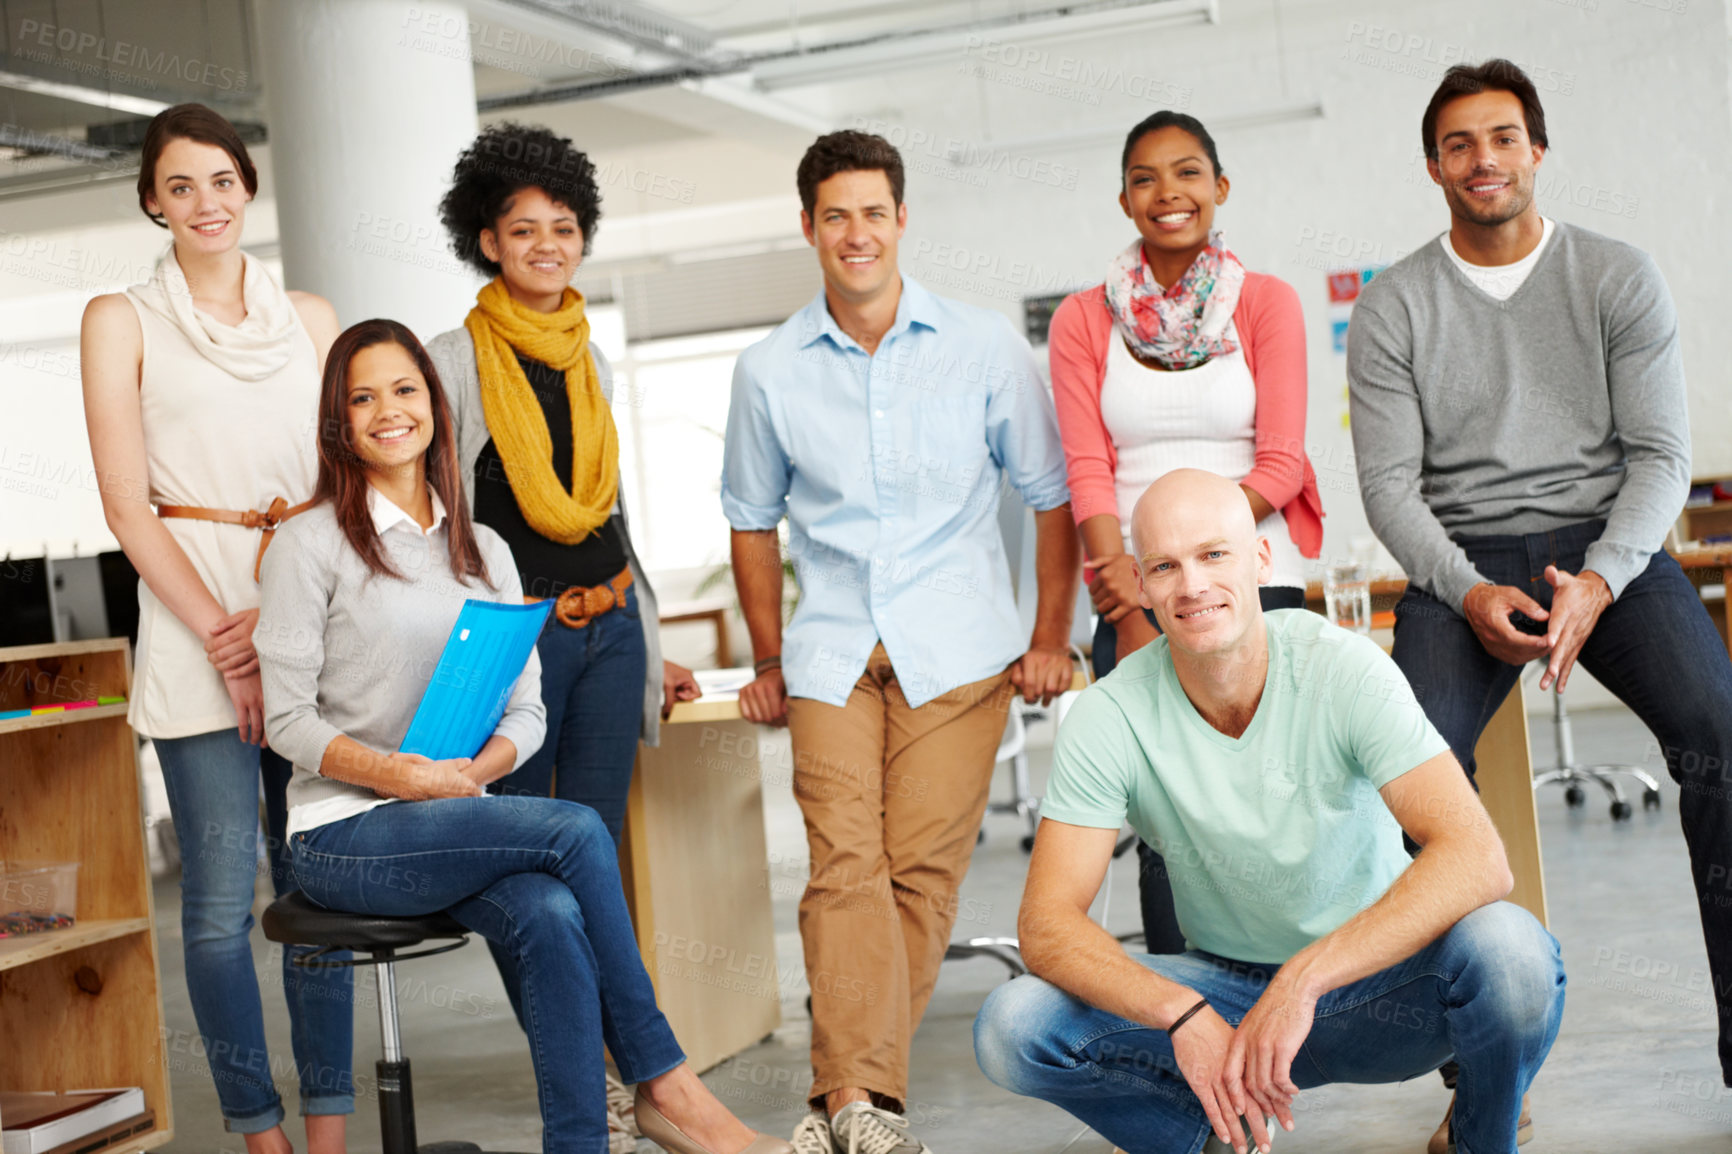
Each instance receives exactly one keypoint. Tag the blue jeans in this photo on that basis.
(592, 683)
(213, 795)
(1490, 991)
(1655, 648)
(1161, 933)
(540, 878)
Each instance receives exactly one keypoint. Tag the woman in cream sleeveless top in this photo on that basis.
(201, 391)
(218, 439)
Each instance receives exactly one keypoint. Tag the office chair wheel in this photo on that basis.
(980, 835)
(1575, 797)
(1621, 811)
(1028, 842)
(1650, 799)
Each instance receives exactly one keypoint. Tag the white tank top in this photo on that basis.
(212, 439)
(1201, 418)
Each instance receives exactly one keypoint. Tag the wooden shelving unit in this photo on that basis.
(80, 1007)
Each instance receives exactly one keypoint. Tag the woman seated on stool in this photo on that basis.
(359, 594)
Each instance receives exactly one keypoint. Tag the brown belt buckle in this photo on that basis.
(577, 606)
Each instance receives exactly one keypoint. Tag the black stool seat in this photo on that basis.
(295, 919)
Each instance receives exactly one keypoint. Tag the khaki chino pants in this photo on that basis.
(893, 798)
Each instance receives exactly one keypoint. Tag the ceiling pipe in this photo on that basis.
(875, 52)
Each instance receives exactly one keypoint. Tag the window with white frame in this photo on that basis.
(671, 406)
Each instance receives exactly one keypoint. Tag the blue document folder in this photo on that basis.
(483, 658)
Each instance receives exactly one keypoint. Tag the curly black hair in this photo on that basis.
(502, 161)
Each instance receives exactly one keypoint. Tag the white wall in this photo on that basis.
(1635, 94)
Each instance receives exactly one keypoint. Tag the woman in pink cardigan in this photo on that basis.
(1180, 359)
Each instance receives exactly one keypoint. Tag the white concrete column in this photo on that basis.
(369, 101)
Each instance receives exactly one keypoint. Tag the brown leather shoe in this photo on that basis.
(1440, 1143)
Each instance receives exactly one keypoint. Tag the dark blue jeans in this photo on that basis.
(213, 796)
(1655, 648)
(1489, 991)
(540, 878)
(592, 683)
(1161, 933)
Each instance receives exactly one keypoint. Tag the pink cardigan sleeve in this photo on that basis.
(1074, 355)
(1273, 330)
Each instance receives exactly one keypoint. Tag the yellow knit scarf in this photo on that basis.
(502, 328)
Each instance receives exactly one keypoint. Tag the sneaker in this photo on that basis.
(622, 1132)
(1443, 1142)
(862, 1128)
(812, 1135)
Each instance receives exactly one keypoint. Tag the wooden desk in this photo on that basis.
(695, 864)
(1505, 775)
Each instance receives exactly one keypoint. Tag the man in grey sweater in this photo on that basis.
(1519, 420)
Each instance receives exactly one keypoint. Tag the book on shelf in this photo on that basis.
(41, 1122)
(110, 1136)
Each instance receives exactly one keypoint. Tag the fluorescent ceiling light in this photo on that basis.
(79, 93)
(891, 52)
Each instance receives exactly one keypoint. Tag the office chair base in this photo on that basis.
(1003, 950)
(1574, 777)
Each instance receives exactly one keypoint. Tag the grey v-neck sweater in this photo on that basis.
(1478, 417)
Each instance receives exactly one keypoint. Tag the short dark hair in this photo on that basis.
(847, 151)
(190, 122)
(1499, 75)
(503, 161)
(1167, 118)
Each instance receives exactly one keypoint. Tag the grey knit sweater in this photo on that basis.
(345, 652)
(1475, 417)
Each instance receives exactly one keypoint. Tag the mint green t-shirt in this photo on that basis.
(1276, 837)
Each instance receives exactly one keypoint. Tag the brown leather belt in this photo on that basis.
(578, 606)
(268, 520)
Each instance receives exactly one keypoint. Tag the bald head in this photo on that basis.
(1190, 506)
(1199, 558)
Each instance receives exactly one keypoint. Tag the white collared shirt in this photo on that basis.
(387, 514)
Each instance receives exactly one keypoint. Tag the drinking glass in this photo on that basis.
(1347, 597)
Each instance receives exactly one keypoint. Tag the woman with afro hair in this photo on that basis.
(539, 456)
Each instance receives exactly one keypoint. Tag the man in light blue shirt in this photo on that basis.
(884, 422)
(1274, 760)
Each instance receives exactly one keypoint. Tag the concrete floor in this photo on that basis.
(1633, 1069)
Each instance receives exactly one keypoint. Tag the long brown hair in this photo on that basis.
(343, 475)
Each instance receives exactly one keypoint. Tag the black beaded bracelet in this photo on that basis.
(1186, 1016)
(767, 664)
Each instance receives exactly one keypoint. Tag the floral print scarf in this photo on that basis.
(1183, 326)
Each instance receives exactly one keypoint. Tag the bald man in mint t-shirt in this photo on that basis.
(1274, 760)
